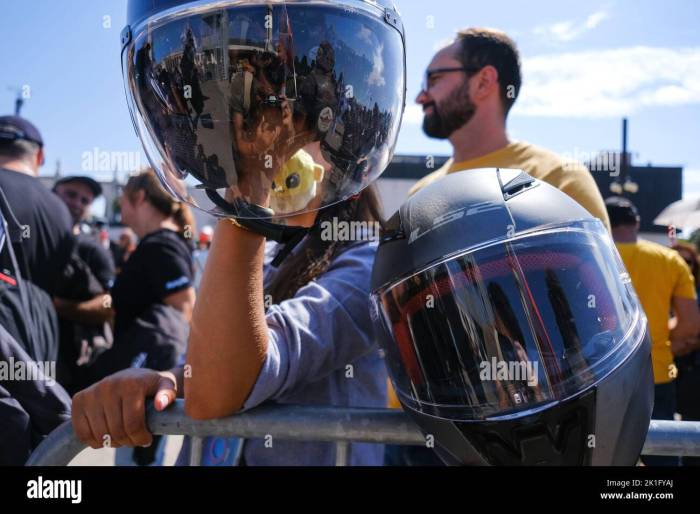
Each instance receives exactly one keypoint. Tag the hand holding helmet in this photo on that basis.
(224, 94)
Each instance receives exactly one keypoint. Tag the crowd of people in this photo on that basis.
(121, 318)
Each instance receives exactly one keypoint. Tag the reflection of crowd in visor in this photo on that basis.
(277, 95)
(450, 322)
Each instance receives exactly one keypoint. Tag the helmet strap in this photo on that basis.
(249, 217)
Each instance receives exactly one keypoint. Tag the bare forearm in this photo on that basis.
(228, 338)
(92, 312)
(681, 330)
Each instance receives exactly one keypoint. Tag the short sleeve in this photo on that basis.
(685, 283)
(579, 184)
(168, 267)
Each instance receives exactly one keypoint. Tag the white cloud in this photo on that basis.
(594, 19)
(376, 78)
(565, 31)
(609, 83)
(366, 35)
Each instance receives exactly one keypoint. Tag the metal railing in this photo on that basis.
(323, 424)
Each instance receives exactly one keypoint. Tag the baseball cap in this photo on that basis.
(93, 184)
(13, 128)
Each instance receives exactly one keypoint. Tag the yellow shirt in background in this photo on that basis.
(658, 274)
(572, 178)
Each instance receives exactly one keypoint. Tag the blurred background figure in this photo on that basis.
(688, 381)
(201, 253)
(45, 245)
(664, 284)
(123, 248)
(35, 242)
(153, 296)
(85, 307)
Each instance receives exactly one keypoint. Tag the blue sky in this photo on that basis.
(585, 66)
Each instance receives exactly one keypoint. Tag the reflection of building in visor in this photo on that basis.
(469, 334)
(226, 93)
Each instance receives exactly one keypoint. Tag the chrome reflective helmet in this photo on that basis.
(510, 326)
(269, 109)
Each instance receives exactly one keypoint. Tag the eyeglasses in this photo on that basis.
(429, 79)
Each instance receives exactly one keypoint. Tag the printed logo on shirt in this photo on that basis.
(180, 282)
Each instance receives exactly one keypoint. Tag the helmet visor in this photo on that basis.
(289, 106)
(510, 326)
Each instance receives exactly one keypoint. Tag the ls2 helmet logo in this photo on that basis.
(453, 216)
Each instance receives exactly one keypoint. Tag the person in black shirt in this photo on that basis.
(153, 295)
(86, 310)
(161, 269)
(47, 241)
(79, 193)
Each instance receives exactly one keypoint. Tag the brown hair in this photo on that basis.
(695, 264)
(163, 202)
(315, 254)
(481, 47)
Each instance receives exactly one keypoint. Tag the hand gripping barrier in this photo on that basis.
(340, 425)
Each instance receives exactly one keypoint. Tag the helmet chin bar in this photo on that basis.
(249, 216)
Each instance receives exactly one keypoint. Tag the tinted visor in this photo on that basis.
(510, 326)
(289, 106)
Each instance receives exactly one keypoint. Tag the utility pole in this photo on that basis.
(19, 99)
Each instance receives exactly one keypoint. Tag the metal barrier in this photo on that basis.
(323, 424)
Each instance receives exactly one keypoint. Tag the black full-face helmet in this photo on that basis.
(511, 330)
(268, 109)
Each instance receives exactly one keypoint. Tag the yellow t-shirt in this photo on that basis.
(658, 274)
(570, 177)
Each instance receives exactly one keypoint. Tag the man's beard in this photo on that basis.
(453, 113)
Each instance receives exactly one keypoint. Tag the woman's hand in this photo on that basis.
(112, 413)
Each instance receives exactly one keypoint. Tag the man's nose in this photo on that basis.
(422, 97)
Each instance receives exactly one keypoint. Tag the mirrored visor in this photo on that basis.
(288, 107)
(510, 326)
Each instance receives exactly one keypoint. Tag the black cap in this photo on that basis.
(13, 128)
(93, 184)
(621, 211)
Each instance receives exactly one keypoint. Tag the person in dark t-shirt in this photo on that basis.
(79, 193)
(85, 306)
(161, 270)
(47, 239)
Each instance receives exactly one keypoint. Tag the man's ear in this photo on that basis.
(40, 159)
(485, 83)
